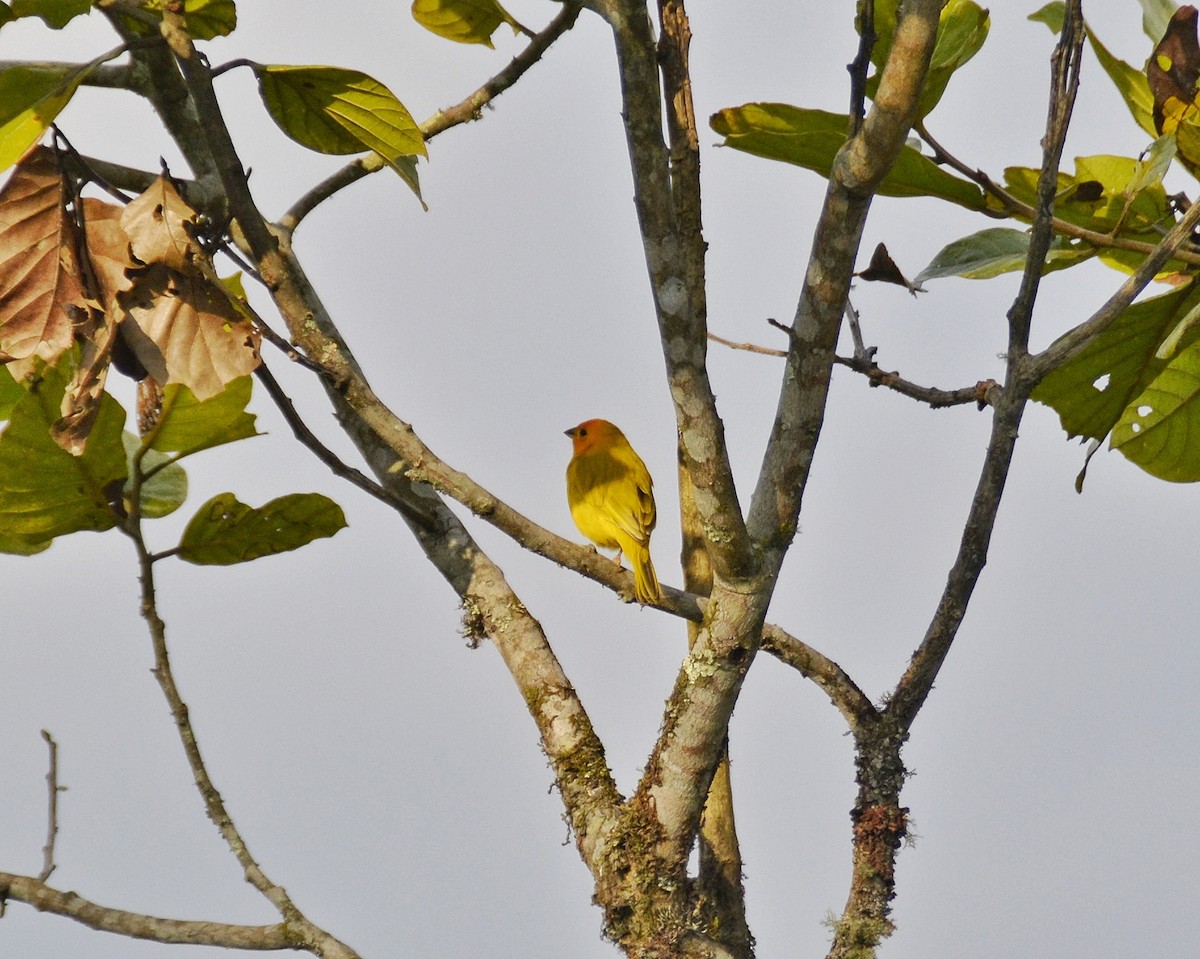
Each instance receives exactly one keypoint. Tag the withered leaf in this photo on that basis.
(883, 269)
(184, 329)
(108, 255)
(39, 271)
(160, 226)
(1173, 70)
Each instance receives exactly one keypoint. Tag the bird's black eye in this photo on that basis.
(582, 433)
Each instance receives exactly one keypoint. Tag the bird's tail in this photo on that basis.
(645, 580)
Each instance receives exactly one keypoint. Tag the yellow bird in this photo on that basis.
(612, 499)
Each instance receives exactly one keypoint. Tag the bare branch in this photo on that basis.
(391, 449)
(858, 168)
(667, 200)
(981, 394)
(36, 893)
(52, 789)
(918, 679)
(470, 108)
(842, 691)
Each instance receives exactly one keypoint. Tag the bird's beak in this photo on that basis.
(569, 432)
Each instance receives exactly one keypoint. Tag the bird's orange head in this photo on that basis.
(593, 435)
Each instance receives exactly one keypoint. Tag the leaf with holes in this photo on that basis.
(225, 531)
(161, 226)
(338, 111)
(1158, 429)
(1092, 391)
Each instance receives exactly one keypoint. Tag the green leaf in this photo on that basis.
(188, 425)
(166, 485)
(1092, 391)
(10, 392)
(1157, 431)
(1156, 14)
(44, 490)
(812, 139)
(1103, 195)
(1053, 15)
(225, 531)
(30, 99)
(204, 19)
(464, 21)
(962, 30)
(999, 250)
(56, 14)
(1130, 82)
(338, 111)
(16, 546)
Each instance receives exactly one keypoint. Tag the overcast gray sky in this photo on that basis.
(388, 776)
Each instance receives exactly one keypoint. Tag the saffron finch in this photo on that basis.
(612, 499)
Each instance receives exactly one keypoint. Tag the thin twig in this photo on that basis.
(425, 519)
(468, 109)
(982, 393)
(53, 789)
(861, 63)
(1014, 207)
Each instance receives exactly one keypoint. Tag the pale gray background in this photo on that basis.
(389, 777)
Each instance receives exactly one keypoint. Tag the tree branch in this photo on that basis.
(1014, 207)
(44, 898)
(857, 170)
(52, 789)
(666, 197)
(918, 679)
(391, 449)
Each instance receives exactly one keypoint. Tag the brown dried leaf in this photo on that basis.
(159, 223)
(883, 269)
(108, 254)
(39, 271)
(184, 329)
(108, 248)
(1173, 69)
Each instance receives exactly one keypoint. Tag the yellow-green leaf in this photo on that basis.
(30, 99)
(225, 531)
(1158, 430)
(165, 484)
(812, 138)
(46, 491)
(464, 21)
(332, 110)
(54, 13)
(204, 19)
(187, 425)
(999, 250)
(1096, 388)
